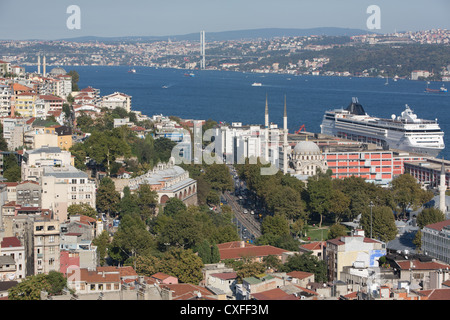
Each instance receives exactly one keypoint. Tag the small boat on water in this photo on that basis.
(256, 84)
(132, 71)
(189, 75)
(442, 89)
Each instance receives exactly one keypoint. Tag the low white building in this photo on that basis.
(34, 161)
(11, 246)
(116, 100)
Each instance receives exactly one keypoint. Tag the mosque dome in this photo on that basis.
(58, 71)
(306, 147)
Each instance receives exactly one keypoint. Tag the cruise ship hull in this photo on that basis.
(418, 136)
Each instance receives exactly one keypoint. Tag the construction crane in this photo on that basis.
(301, 128)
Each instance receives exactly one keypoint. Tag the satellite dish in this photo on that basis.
(393, 117)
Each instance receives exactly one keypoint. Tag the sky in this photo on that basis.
(48, 19)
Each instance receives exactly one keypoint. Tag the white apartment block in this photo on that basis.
(116, 99)
(46, 245)
(436, 241)
(34, 161)
(64, 186)
(13, 131)
(11, 246)
(5, 100)
(236, 142)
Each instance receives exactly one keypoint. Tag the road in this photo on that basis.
(248, 221)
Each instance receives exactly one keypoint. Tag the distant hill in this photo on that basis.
(266, 33)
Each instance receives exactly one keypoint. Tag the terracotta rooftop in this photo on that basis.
(234, 244)
(225, 275)
(274, 294)
(9, 242)
(160, 276)
(186, 291)
(300, 274)
(419, 265)
(318, 245)
(95, 276)
(339, 242)
(122, 271)
(438, 225)
(251, 251)
(435, 294)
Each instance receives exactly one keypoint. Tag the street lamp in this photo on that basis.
(371, 206)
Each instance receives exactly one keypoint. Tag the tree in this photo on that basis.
(204, 251)
(308, 263)
(147, 201)
(105, 146)
(131, 240)
(183, 264)
(339, 205)
(319, 192)
(382, 223)
(276, 225)
(336, 231)
(57, 282)
(218, 177)
(75, 78)
(82, 209)
(11, 170)
(173, 207)
(429, 216)
(102, 242)
(128, 203)
(182, 233)
(249, 269)
(30, 288)
(147, 265)
(407, 193)
(107, 198)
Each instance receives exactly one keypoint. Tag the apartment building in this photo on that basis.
(116, 100)
(354, 250)
(373, 166)
(34, 161)
(14, 129)
(5, 100)
(24, 104)
(46, 245)
(29, 194)
(436, 240)
(11, 246)
(64, 186)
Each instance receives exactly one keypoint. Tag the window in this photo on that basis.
(51, 239)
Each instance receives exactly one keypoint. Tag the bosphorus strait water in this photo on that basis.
(230, 96)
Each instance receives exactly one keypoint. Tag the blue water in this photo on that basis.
(229, 96)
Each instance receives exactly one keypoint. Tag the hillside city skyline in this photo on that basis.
(177, 17)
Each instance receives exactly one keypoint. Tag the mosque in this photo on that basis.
(302, 161)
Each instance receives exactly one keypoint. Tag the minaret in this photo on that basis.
(43, 70)
(442, 189)
(266, 131)
(285, 141)
(39, 64)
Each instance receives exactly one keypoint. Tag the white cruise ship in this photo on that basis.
(405, 132)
